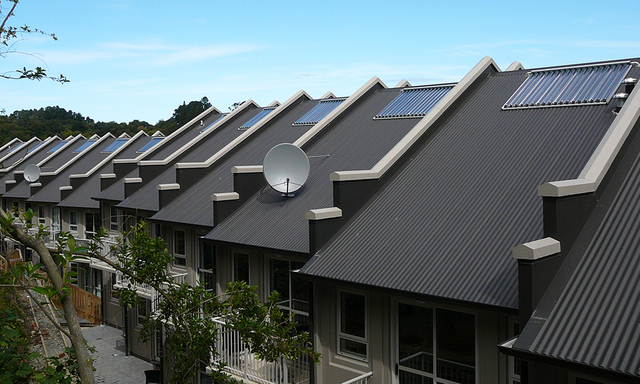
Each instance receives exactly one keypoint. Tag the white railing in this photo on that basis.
(240, 361)
(362, 379)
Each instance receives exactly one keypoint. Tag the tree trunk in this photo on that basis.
(85, 366)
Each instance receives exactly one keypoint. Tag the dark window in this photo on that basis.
(179, 247)
(241, 267)
(208, 265)
(353, 333)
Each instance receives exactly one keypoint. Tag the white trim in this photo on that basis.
(274, 103)
(218, 155)
(358, 339)
(246, 169)
(9, 144)
(403, 83)
(65, 188)
(323, 213)
(168, 187)
(78, 155)
(131, 180)
(328, 95)
(226, 196)
(108, 175)
(420, 128)
(537, 249)
(515, 66)
(111, 156)
(338, 110)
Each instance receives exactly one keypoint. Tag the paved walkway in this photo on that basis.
(112, 366)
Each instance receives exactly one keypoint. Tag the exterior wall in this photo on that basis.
(490, 329)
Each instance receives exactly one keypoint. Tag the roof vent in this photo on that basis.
(620, 98)
(629, 84)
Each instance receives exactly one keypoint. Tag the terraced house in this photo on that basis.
(482, 231)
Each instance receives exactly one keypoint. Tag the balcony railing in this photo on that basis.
(362, 379)
(240, 361)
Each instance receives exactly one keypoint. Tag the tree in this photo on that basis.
(186, 312)
(184, 113)
(8, 36)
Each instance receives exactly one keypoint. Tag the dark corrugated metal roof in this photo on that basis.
(59, 158)
(194, 205)
(115, 192)
(181, 139)
(146, 198)
(446, 223)
(50, 193)
(81, 197)
(356, 141)
(35, 158)
(593, 318)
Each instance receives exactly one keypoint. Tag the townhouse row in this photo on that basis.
(482, 231)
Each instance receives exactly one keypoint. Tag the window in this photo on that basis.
(256, 118)
(514, 363)
(435, 344)
(241, 267)
(113, 218)
(56, 219)
(27, 207)
(73, 221)
(320, 111)
(179, 247)
(352, 328)
(150, 144)
(144, 309)
(84, 146)
(208, 265)
(92, 224)
(413, 102)
(212, 124)
(294, 292)
(16, 148)
(115, 145)
(35, 147)
(42, 214)
(559, 87)
(4, 205)
(58, 146)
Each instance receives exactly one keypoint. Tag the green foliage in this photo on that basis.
(191, 315)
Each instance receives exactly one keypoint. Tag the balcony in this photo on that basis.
(240, 362)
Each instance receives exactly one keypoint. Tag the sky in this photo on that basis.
(139, 59)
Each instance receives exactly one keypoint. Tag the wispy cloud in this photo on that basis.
(152, 53)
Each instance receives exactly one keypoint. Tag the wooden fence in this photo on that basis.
(88, 306)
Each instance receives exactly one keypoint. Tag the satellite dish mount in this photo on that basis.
(286, 168)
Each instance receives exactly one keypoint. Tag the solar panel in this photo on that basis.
(84, 146)
(115, 145)
(58, 146)
(16, 147)
(35, 147)
(584, 85)
(211, 125)
(256, 118)
(319, 112)
(150, 144)
(413, 102)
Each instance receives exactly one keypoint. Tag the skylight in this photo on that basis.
(35, 147)
(16, 147)
(585, 85)
(413, 102)
(84, 146)
(256, 118)
(150, 144)
(115, 145)
(211, 125)
(319, 112)
(58, 146)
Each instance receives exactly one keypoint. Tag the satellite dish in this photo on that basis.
(32, 173)
(286, 168)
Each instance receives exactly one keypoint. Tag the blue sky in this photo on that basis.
(140, 59)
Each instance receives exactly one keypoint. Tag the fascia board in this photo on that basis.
(328, 95)
(515, 66)
(403, 83)
(110, 157)
(201, 136)
(419, 129)
(604, 155)
(238, 140)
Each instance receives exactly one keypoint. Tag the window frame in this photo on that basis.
(42, 214)
(349, 337)
(180, 258)
(73, 222)
(113, 223)
(233, 265)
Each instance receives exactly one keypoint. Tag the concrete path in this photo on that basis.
(112, 366)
